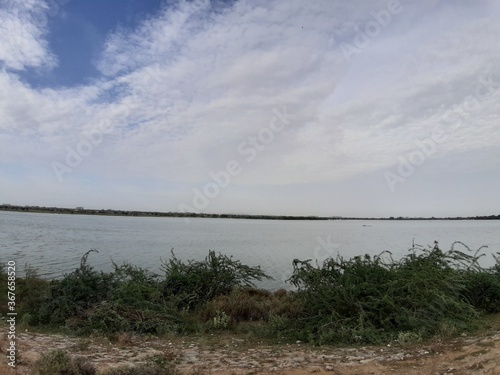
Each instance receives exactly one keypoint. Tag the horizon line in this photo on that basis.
(114, 212)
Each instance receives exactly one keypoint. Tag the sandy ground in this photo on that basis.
(231, 355)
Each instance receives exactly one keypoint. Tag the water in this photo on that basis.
(54, 244)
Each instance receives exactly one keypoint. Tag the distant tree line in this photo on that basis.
(109, 212)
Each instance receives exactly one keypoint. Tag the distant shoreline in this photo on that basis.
(109, 212)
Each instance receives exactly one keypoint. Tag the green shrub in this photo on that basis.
(137, 295)
(371, 300)
(58, 362)
(105, 318)
(197, 282)
(135, 287)
(33, 294)
(482, 290)
(76, 293)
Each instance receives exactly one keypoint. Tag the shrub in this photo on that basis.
(481, 286)
(105, 318)
(76, 293)
(371, 300)
(252, 305)
(33, 295)
(135, 287)
(240, 305)
(482, 290)
(137, 294)
(58, 362)
(197, 282)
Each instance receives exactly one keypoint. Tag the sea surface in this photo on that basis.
(54, 243)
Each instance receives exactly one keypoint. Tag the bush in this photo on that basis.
(76, 293)
(105, 318)
(136, 287)
(131, 298)
(371, 300)
(482, 290)
(481, 286)
(194, 283)
(252, 305)
(241, 305)
(33, 294)
(86, 301)
(58, 362)
(138, 299)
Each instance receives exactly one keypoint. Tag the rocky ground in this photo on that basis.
(227, 355)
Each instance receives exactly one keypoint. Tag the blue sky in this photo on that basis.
(351, 108)
(77, 32)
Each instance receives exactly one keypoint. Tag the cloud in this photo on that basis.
(183, 90)
(22, 37)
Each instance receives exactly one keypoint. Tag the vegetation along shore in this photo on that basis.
(357, 302)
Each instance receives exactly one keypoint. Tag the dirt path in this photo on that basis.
(229, 355)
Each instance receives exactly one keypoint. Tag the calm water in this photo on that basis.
(54, 244)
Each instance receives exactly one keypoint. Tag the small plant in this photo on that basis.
(165, 360)
(221, 321)
(58, 362)
(408, 338)
(82, 345)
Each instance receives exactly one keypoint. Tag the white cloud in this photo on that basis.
(22, 35)
(185, 88)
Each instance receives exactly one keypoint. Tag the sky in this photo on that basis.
(319, 107)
